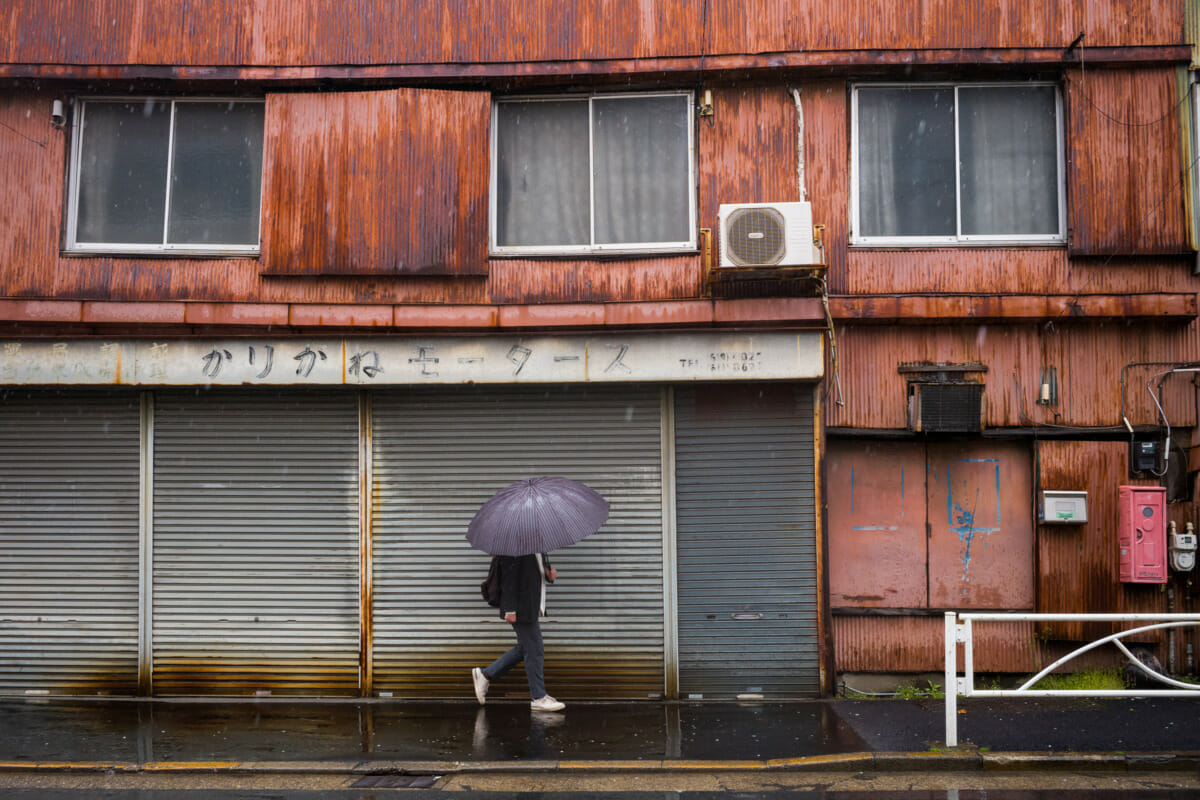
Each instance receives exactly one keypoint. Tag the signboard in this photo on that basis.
(397, 360)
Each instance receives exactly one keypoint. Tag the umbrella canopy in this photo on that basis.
(536, 515)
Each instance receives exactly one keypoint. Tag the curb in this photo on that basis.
(847, 762)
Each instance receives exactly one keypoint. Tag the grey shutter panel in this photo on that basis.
(69, 542)
(439, 454)
(746, 541)
(256, 543)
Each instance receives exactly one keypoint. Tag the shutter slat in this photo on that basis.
(256, 543)
(69, 542)
(439, 456)
(746, 544)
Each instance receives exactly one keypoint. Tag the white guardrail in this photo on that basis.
(959, 630)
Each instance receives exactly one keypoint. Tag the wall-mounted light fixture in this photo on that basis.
(1048, 387)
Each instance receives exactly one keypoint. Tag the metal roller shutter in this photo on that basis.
(746, 541)
(69, 542)
(256, 543)
(438, 455)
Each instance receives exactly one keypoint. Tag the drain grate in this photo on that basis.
(396, 782)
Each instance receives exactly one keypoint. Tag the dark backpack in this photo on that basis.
(490, 588)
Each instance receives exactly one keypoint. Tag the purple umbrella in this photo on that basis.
(536, 515)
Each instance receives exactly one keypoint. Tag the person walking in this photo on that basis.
(523, 581)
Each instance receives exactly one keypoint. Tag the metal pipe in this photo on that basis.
(1171, 632)
(1097, 643)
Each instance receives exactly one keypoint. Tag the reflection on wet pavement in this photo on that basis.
(128, 731)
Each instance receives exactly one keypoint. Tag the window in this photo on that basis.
(957, 163)
(593, 173)
(155, 175)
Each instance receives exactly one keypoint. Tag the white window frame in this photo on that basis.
(857, 239)
(142, 248)
(624, 247)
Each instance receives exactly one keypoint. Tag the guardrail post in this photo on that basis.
(951, 681)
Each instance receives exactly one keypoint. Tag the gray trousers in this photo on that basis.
(529, 650)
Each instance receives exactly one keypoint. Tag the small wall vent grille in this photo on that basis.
(945, 407)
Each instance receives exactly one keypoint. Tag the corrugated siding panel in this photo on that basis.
(826, 159)
(1089, 359)
(256, 543)
(397, 182)
(601, 280)
(916, 644)
(69, 542)
(1078, 564)
(439, 455)
(1008, 270)
(746, 541)
(759, 124)
(416, 32)
(1118, 117)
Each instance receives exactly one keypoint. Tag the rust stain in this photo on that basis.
(1088, 357)
(514, 281)
(376, 183)
(261, 32)
(876, 513)
(915, 644)
(1117, 117)
(1078, 565)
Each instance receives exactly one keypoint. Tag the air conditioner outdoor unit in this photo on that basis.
(767, 234)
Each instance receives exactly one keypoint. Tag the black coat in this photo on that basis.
(521, 586)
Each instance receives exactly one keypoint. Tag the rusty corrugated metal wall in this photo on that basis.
(1078, 564)
(746, 151)
(1116, 118)
(1089, 358)
(915, 644)
(384, 182)
(594, 280)
(263, 32)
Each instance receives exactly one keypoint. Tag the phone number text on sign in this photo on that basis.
(734, 361)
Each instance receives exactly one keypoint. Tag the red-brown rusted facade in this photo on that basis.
(377, 173)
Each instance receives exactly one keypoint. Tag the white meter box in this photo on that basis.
(1063, 507)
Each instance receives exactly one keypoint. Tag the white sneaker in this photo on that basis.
(547, 703)
(481, 685)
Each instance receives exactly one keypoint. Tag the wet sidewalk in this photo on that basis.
(47, 733)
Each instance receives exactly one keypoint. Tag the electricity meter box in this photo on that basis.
(1063, 507)
(1142, 533)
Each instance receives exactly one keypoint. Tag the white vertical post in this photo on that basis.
(951, 682)
(968, 659)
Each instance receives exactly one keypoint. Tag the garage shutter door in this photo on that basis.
(256, 543)
(439, 455)
(746, 541)
(68, 542)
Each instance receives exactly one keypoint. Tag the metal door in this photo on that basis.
(438, 455)
(746, 541)
(980, 525)
(69, 471)
(256, 543)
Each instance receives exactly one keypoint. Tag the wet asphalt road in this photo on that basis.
(811, 794)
